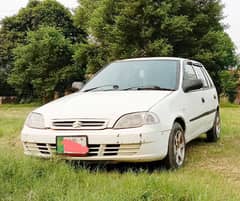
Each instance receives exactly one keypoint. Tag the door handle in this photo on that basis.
(214, 96)
(203, 100)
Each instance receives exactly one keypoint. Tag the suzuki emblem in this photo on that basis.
(77, 124)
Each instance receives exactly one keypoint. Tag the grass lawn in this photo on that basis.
(211, 171)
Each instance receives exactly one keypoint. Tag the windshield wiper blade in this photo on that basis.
(153, 87)
(98, 87)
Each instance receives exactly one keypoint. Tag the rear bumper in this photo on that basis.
(124, 145)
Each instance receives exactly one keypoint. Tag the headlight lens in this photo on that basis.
(135, 120)
(35, 120)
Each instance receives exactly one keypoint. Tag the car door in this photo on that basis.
(194, 104)
(210, 98)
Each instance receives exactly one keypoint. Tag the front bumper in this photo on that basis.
(123, 145)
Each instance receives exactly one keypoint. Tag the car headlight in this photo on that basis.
(134, 120)
(35, 120)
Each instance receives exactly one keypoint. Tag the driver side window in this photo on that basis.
(188, 74)
(190, 79)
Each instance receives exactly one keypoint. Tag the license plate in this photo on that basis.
(72, 145)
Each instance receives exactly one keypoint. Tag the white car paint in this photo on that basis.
(146, 143)
(108, 105)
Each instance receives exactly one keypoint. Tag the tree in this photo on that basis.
(8, 41)
(136, 28)
(229, 84)
(13, 30)
(44, 64)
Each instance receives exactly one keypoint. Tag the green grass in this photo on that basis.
(211, 171)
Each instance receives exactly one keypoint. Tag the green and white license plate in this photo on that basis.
(71, 145)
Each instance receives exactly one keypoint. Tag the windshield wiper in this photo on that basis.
(152, 87)
(98, 87)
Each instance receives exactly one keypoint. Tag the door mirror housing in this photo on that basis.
(190, 85)
(77, 85)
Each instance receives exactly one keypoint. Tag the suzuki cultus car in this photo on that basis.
(134, 110)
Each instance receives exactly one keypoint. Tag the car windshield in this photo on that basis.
(136, 75)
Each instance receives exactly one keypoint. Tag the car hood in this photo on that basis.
(101, 105)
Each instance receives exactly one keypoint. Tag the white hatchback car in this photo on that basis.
(134, 110)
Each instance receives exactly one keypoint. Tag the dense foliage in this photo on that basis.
(136, 28)
(14, 32)
(103, 31)
(229, 84)
(44, 64)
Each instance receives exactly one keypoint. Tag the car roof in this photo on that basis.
(160, 58)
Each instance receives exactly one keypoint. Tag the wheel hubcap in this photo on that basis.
(218, 126)
(179, 148)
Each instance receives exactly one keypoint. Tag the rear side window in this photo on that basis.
(201, 76)
(208, 77)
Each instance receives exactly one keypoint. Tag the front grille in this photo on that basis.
(40, 148)
(76, 124)
(95, 150)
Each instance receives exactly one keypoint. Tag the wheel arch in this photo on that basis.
(181, 121)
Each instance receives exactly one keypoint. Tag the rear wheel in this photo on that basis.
(213, 135)
(176, 148)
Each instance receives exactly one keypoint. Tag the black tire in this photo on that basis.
(176, 148)
(213, 135)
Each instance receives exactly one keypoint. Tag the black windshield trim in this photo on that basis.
(148, 88)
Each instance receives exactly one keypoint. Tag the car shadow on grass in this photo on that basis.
(197, 142)
(122, 167)
(147, 167)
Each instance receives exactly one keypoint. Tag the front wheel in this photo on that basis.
(213, 135)
(176, 147)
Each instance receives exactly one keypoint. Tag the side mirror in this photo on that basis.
(190, 85)
(77, 85)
